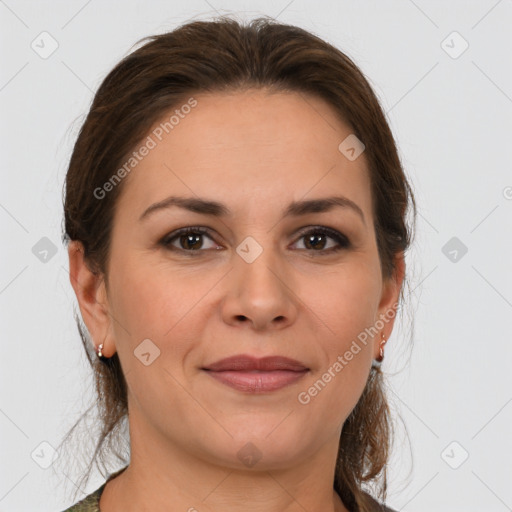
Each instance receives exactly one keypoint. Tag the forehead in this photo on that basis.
(236, 147)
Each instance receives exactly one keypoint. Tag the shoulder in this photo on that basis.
(91, 503)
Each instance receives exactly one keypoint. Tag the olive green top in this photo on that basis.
(91, 503)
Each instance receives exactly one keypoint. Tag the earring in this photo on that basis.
(381, 350)
(376, 363)
(100, 347)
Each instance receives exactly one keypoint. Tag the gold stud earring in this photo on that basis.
(376, 363)
(381, 350)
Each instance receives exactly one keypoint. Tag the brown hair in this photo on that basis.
(227, 55)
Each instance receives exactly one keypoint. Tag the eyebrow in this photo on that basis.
(216, 209)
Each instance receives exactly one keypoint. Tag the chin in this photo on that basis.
(261, 447)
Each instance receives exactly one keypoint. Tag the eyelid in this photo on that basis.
(165, 241)
(334, 233)
(343, 242)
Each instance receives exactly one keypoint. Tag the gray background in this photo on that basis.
(451, 115)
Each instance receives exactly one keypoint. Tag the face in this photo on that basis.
(252, 281)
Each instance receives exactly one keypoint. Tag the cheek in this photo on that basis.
(155, 303)
(347, 311)
(346, 303)
(147, 298)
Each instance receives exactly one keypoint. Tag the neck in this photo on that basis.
(159, 479)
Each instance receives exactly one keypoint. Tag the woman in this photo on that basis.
(236, 216)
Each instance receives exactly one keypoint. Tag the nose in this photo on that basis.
(260, 294)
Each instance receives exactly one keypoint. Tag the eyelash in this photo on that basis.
(342, 240)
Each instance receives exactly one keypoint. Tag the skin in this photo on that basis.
(256, 152)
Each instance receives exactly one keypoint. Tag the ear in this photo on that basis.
(91, 294)
(389, 302)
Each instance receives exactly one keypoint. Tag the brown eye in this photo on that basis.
(321, 240)
(191, 241)
(188, 239)
(316, 240)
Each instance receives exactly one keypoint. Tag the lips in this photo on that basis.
(248, 363)
(253, 375)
